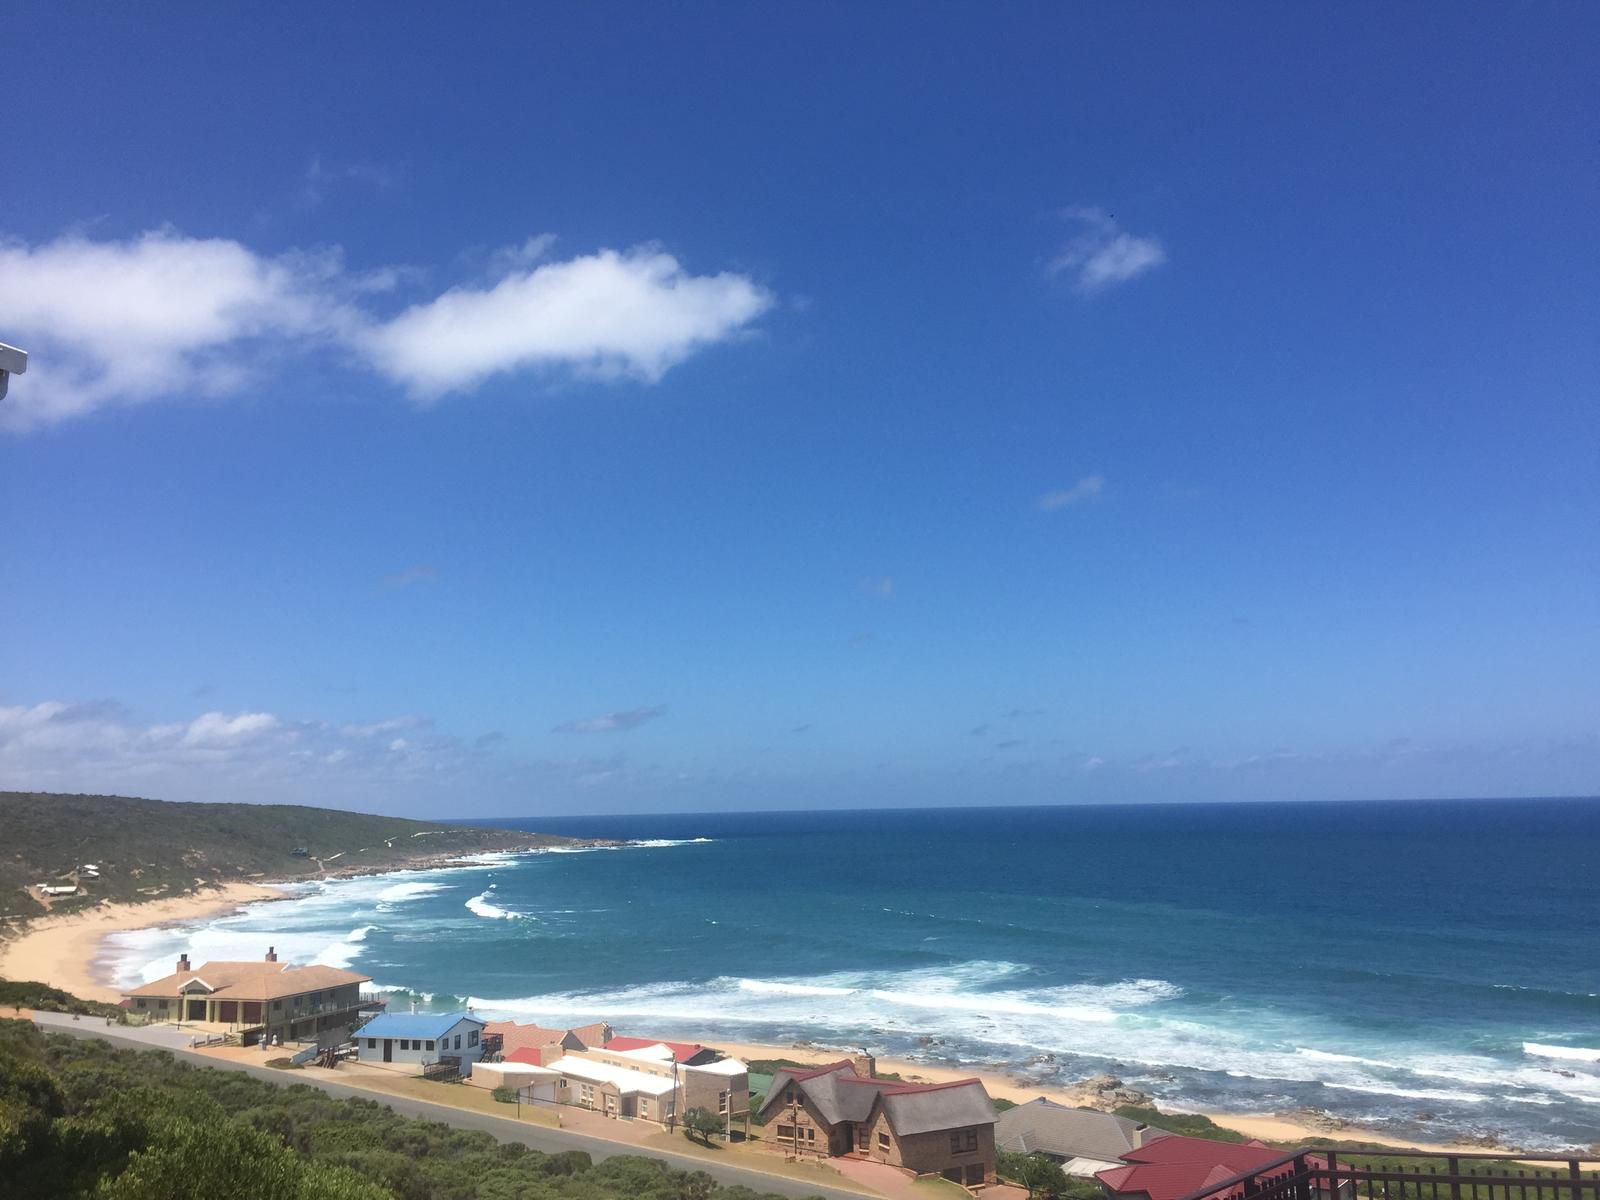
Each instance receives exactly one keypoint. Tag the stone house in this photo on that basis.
(944, 1129)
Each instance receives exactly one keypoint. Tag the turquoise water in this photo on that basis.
(1429, 967)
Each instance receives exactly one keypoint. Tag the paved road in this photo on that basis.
(536, 1136)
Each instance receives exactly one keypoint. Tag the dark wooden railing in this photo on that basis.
(1412, 1175)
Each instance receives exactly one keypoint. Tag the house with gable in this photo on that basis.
(421, 1039)
(944, 1129)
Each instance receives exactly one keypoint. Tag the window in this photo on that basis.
(809, 1132)
(955, 1143)
(883, 1141)
(458, 1041)
(644, 1106)
(372, 1043)
(786, 1133)
(563, 1085)
(863, 1138)
(161, 1004)
(405, 1043)
(788, 1094)
(972, 1139)
(722, 1102)
(430, 1045)
(141, 1002)
(472, 1037)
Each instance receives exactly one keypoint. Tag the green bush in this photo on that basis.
(81, 1120)
(504, 1094)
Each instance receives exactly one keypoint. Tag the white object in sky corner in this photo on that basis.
(12, 362)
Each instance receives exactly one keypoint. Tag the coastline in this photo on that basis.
(64, 951)
(1268, 1127)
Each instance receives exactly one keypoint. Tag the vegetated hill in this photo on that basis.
(153, 849)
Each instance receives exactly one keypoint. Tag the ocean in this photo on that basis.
(1429, 968)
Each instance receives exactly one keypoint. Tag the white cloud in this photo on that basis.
(1102, 254)
(158, 315)
(879, 586)
(635, 314)
(56, 746)
(1085, 491)
(161, 316)
(219, 729)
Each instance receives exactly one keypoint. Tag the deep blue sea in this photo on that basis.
(1430, 967)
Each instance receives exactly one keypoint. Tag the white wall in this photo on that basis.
(415, 1050)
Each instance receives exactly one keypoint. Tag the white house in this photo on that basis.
(420, 1038)
(613, 1090)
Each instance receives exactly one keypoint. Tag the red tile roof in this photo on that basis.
(682, 1051)
(1173, 1166)
(533, 1055)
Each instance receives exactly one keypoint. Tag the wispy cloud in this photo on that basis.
(321, 178)
(1085, 491)
(418, 573)
(163, 316)
(612, 722)
(1101, 254)
(55, 745)
(880, 587)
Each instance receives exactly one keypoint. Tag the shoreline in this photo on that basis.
(1268, 1127)
(66, 951)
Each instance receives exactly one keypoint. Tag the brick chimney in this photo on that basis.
(183, 963)
(866, 1066)
(272, 954)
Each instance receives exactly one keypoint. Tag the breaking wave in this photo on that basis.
(481, 905)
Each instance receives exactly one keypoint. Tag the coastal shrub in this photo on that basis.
(701, 1122)
(17, 994)
(81, 1120)
(1041, 1176)
(1189, 1124)
(504, 1094)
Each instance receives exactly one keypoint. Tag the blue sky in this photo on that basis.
(673, 407)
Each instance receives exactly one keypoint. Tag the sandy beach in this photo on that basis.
(64, 951)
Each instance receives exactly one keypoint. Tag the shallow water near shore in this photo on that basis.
(1429, 968)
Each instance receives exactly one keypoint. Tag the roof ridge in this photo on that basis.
(897, 1088)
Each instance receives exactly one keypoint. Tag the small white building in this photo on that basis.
(615, 1091)
(421, 1039)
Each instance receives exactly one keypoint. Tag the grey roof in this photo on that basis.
(838, 1094)
(834, 1100)
(950, 1107)
(1044, 1125)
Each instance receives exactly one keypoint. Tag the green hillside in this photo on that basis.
(154, 849)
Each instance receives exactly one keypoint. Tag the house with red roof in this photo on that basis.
(689, 1054)
(540, 1046)
(1174, 1166)
(944, 1129)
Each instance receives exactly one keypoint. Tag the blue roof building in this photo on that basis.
(421, 1038)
